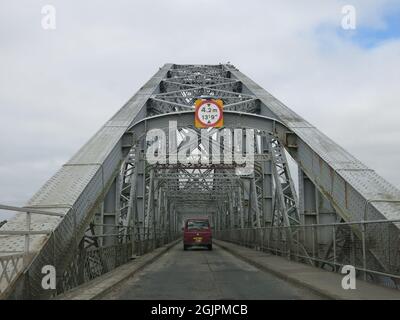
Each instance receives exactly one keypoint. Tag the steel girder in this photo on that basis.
(129, 198)
(354, 191)
(76, 191)
(93, 181)
(209, 182)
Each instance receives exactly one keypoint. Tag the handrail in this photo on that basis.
(331, 251)
(324, 224)
(27, 232)
(23, 232)
(29, 210)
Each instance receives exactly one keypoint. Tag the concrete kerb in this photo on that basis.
(281, 275)
(369, 291)
(100, 286)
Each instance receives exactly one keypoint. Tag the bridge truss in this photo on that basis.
(109, 203)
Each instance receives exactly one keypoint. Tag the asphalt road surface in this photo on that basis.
(202, 274)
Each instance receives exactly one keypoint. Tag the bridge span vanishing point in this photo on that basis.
(267, 179)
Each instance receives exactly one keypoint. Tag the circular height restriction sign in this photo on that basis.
(209, 113)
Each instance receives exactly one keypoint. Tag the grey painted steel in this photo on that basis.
(232, 119)
(109, 180)
(357, 191)
(356, 252)
(75, 189)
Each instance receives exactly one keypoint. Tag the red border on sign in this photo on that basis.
(213, 102)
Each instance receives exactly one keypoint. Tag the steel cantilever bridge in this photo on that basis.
(109, 204)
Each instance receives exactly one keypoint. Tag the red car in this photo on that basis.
(197, 232)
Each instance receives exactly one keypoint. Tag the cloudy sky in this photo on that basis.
(57, 87)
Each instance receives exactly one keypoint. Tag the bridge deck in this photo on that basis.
(229, 271)
(202, 274)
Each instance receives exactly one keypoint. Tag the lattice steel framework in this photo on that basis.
(113, 200)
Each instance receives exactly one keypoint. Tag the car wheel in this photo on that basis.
(209, 247)
(185, 247)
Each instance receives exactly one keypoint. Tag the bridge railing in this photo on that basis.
(94, 261)
(12, 262)
(331, 246)
(89, 261)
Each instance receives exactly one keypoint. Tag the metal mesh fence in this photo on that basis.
(93, 262)
(372, 247)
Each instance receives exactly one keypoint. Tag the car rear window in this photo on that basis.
(197, 225)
